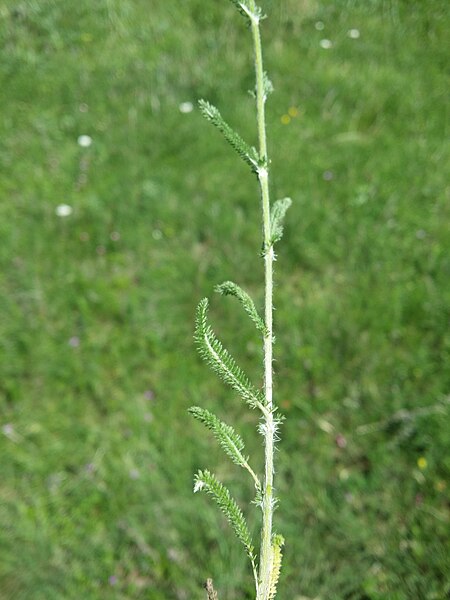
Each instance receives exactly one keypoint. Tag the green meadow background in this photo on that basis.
(98, 365)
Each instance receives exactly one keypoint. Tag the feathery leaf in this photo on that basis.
(246, 152)
(277, 215)
(228, 438)
(204, 480)
(268, 85)
(277, 544)
(220, 360)
(228, 288)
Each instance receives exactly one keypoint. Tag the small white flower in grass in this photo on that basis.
(84, 141)
(199, 485)
(63, 210)
(326, 44)
(186, 107)
(319, 25)
(353, 34)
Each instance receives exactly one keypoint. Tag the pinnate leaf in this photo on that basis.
(228, 288)
(220, 360)
(228, 438)
(277, 214)
(204, 480)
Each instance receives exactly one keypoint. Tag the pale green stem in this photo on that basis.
(265, 565)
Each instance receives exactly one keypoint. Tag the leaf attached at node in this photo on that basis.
(246, 152)
(204, 480)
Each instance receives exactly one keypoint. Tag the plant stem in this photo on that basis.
(265, 565)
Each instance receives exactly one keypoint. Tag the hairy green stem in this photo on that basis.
(212, 351)
(265, 565)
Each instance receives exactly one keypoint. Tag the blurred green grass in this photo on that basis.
(97, 360)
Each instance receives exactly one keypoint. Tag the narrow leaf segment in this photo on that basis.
(228, 438)
(220, 360)
(228, 288)
(246, 152)
(277, 215)
(204, 480)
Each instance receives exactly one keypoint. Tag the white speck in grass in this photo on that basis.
(319, 25)
(115, 236)
(353, 34)
(134, 474)
(63, 210)
(174, 555)
(157, 234)
(186, 107)
(326, 44)
(8, 430)
(421, 234)
(84, 141)
(83, 107)
(74, 341)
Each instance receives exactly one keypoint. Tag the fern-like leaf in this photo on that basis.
(246, 152)
(204, 480)
(277, 214)
(219, 359)
(277, 544)
(228, 438)
(228, 288)
(268, 85)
